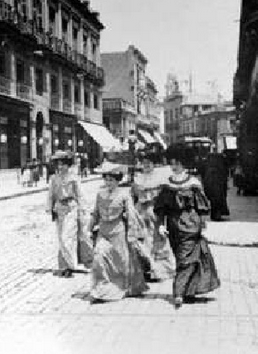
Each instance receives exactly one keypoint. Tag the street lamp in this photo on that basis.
(132, 139)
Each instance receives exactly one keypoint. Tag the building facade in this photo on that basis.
(130, 97)
(50, 78)
(172, 109)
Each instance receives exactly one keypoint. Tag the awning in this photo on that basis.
(160, 140)
(102, 136)
(146, 136)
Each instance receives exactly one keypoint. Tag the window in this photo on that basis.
(86, 99)
(20, 71)
(96, 101)
(52, 21)
(66, 90)
(85, 41)
(2, 64)
(39, 76)
(54, 84)
(75, 37)
(65, 30)
(94, 51)
(38, 14)
(77, 96)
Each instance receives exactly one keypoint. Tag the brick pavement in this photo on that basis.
(40, 313)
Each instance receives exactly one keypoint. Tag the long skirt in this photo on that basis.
(116, 270)
(164, 263)
(195, 268)
(67, 230)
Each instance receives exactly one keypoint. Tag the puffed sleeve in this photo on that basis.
(162, 203)
(202, 205)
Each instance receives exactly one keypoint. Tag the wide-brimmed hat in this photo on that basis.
(111, 169)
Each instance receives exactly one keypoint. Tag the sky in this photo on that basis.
(178, 36)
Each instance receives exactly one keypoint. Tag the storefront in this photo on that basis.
(95, 140)
(14, 133)
(63, 131)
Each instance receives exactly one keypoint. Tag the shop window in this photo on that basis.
(87, 99)
(39, 76)
(96, 101)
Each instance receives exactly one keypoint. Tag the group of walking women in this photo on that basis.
(150, 232)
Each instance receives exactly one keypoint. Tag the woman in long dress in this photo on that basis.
(145, 189)
(65, 204)
(116, 269)
(180, 206)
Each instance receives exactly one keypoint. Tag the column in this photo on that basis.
(98, 59)
(13, 74)
(80, 39)
(89, 53)
(29, 4)
(72, 94)
(33, 137)
(82, 96)
(59, 21)
(60, 88)
(70, 32)
(46, 15)
(48, 88)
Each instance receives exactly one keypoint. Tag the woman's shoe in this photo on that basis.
(178, 302)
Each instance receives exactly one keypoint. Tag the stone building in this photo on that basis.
(130, 97)
(50, 78)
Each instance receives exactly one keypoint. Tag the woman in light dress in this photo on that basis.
(145, 189)
(116, 269)
(65, 204)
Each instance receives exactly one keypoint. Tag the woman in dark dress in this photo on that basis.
(179, 207)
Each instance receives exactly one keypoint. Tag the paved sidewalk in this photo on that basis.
(12, 189)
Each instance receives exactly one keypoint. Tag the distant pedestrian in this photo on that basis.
(179, 207)
(216, 185)
(238, 178)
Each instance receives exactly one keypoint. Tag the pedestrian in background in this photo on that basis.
(216, 185)
(179, 207)
(65, 204)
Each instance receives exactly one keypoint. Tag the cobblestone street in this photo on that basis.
(45, 314)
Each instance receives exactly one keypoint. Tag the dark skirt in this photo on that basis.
(195, 268)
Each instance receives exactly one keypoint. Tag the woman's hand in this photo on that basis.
(163, 231)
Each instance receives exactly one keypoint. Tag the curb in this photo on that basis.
(43, 189)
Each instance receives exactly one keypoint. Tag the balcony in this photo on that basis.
(13, 20)
(24, 91)
(55, 102)
(5, 86)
